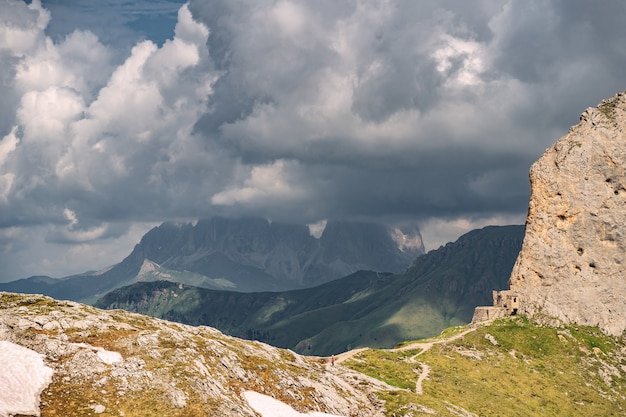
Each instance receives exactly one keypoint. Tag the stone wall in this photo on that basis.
(488, 313)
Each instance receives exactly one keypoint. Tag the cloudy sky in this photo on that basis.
(116, 116)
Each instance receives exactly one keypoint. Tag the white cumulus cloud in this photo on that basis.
(134, 113)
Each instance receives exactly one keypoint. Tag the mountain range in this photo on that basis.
(249, 254)
(440, 289)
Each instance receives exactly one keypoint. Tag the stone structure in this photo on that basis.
(484, 313)
(505, 303)
(507, 300)
(573, 259)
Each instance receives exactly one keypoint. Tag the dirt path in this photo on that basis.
(422, 376)
(424, 370)
(347, 355)
(425, 346)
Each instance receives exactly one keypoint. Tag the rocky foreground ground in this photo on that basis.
(115, 363)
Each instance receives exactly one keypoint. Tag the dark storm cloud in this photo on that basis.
(293, 110)
(478, 90)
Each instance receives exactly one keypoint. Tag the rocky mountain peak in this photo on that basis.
(573, 259)
(255, 254)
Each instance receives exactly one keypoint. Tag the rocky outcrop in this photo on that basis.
(573, 259)
(124, 364)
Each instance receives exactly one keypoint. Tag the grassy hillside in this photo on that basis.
(372, 309)
(508, 368)
(132, 365)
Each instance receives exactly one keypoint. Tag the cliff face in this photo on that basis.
(573, 257)
(257, 255)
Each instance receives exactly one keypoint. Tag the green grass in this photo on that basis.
(533, 370)
(394, 368)
(607, 107)
(446, 333)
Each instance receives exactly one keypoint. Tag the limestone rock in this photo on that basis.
(120, 363)
(572, 263)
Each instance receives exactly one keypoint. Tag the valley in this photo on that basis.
(440, 289)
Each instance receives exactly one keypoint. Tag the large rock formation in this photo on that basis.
(572, 262)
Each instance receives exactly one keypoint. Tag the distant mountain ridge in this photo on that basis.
(249, 254)
(257, 254)
(440, 289)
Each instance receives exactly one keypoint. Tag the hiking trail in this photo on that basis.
(424, 346)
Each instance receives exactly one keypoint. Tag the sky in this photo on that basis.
(116, 115)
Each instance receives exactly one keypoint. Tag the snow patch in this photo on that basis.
(407, 241)
(22, 379)
(105, 356)
(270, 407)
(316, 229)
